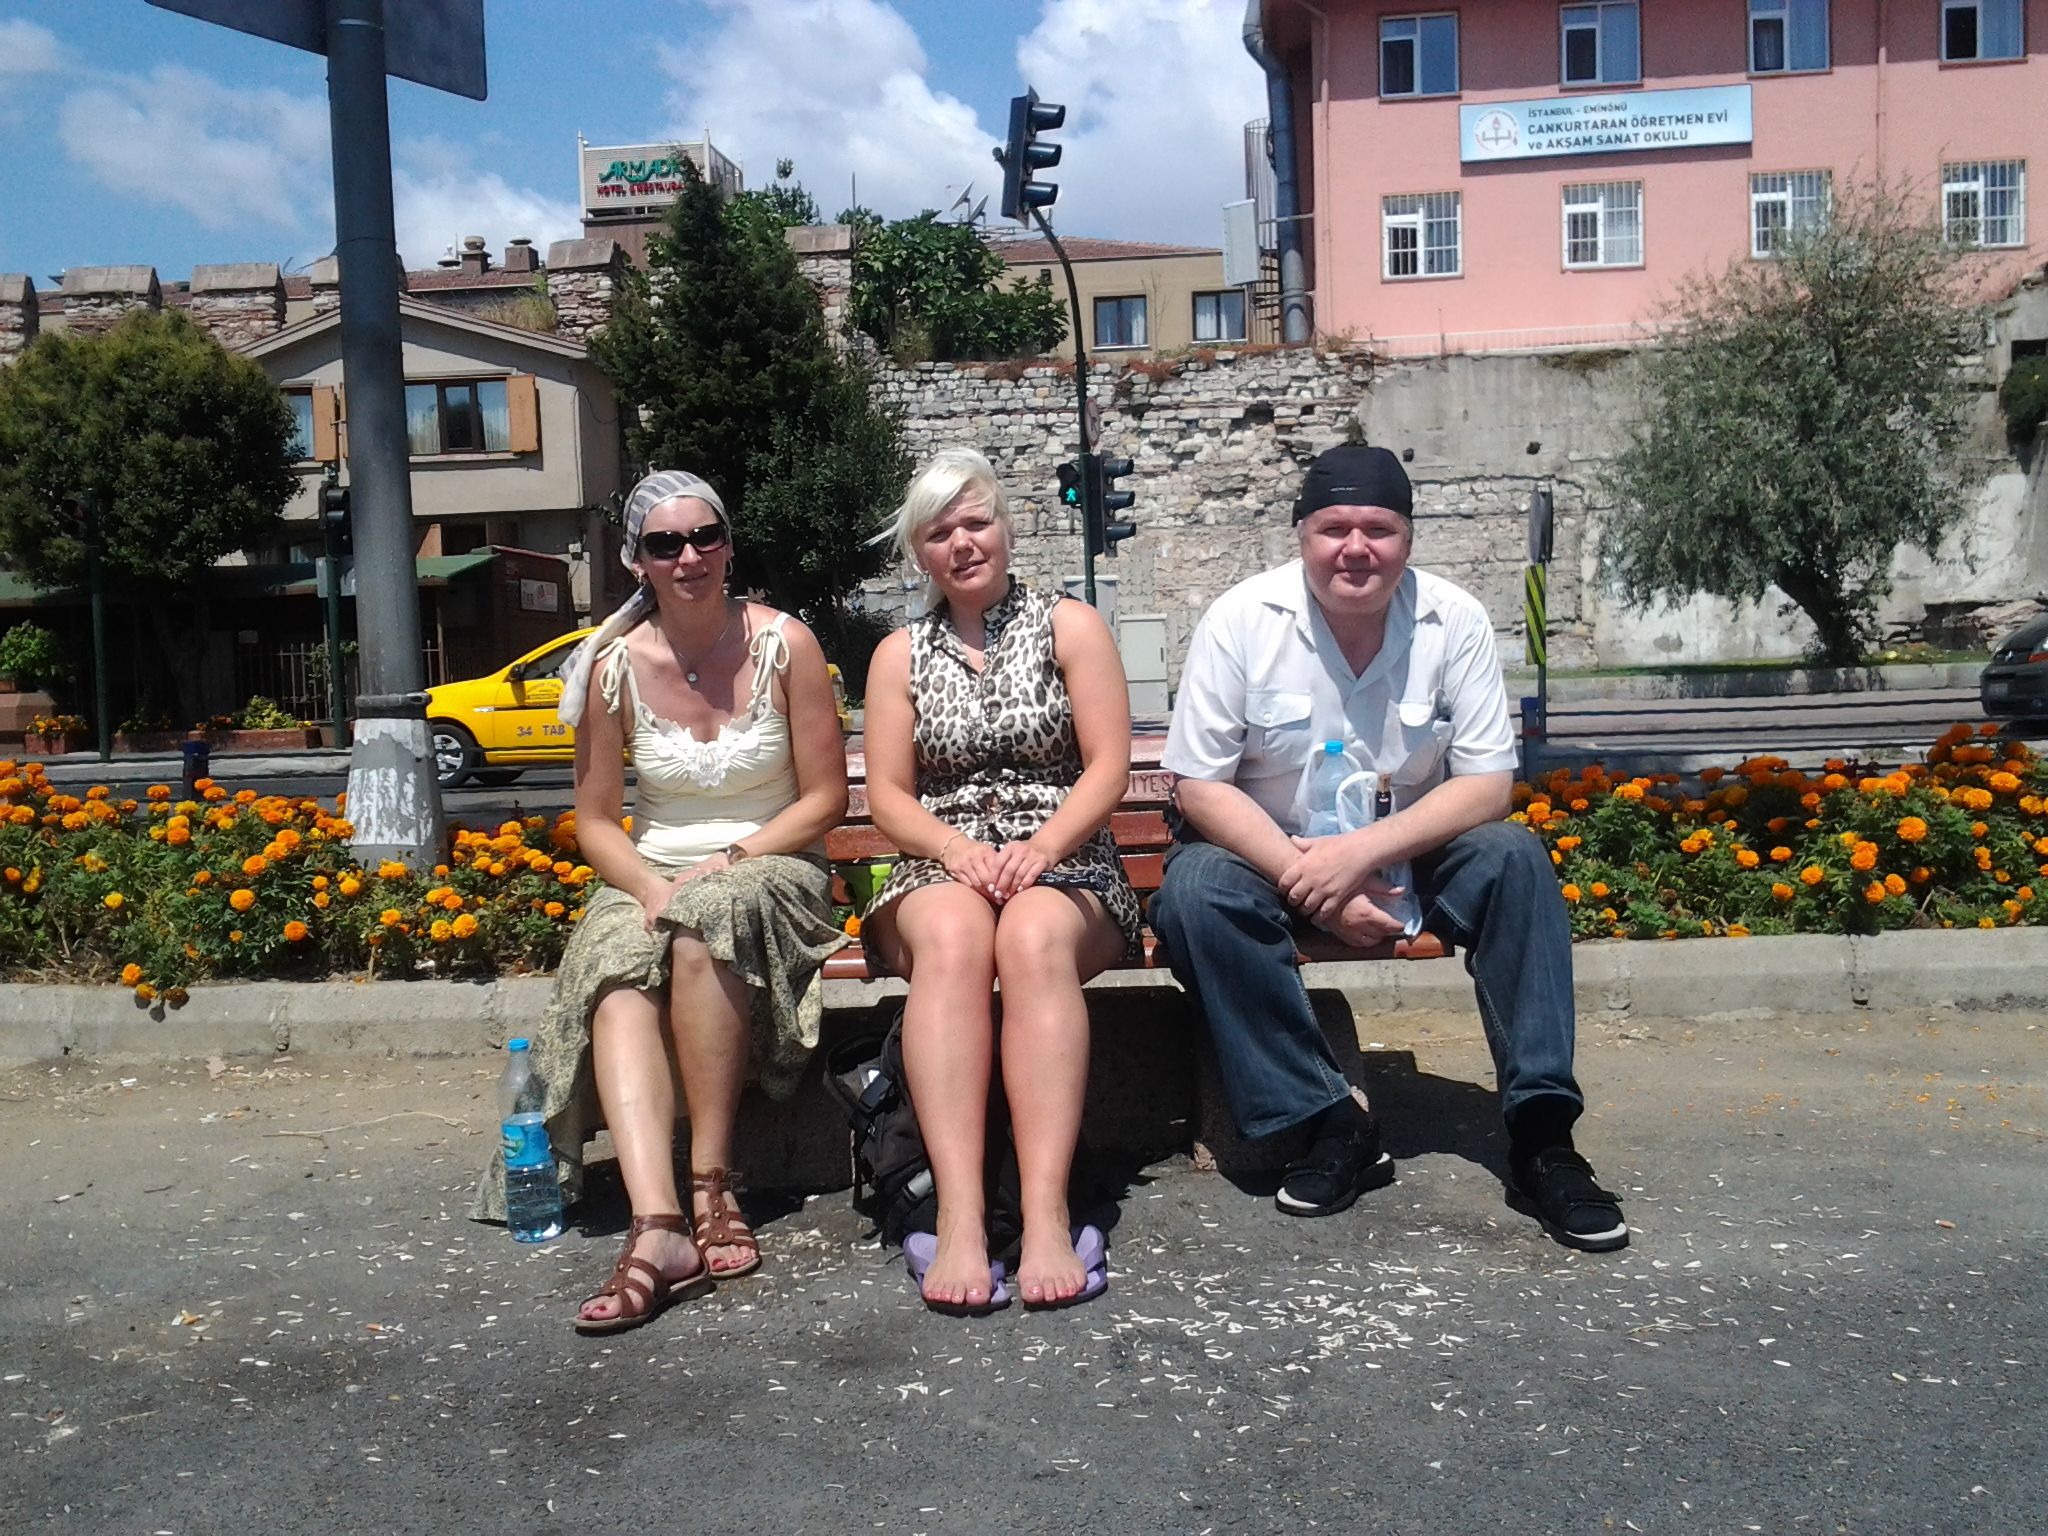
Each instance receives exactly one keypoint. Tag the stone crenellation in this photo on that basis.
(95, 298)
(238, 303)
(20, 314)
(583, 282)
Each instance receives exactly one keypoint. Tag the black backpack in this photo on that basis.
(892, 1176)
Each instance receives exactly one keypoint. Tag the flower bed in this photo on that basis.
(163, 892)
(1955, 841)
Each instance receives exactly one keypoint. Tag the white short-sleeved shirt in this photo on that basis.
(1265, 684)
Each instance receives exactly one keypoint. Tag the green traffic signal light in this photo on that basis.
(1070, 485)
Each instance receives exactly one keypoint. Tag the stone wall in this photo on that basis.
(20, 316)
(824, 255)
(1219, 440)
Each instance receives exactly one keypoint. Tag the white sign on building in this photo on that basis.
(639, 178)
(1614, 123)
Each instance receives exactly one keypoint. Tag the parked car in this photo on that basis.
(492, 728)
(2014, 684)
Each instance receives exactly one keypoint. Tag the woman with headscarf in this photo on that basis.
(703, 949)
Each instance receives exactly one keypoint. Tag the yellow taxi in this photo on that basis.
(492, 728)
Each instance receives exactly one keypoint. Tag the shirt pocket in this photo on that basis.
(1276, 725)
(1419, 738)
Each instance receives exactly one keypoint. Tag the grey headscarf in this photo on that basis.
(655, 487)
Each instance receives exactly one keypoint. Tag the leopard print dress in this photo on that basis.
(996, 753)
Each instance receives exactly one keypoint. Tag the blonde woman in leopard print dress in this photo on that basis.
(998, 744)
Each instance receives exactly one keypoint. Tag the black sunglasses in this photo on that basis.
(667, 543)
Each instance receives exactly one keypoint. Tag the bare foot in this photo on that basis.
(1048, 1269)
(723, 1258)
(670, 1252)
(959, 1275)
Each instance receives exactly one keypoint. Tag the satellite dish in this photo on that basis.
(962, 200)
(980, 209)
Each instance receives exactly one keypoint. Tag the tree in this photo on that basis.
(1805, 420)
(186, 448)
(928, 290)
(720, 354)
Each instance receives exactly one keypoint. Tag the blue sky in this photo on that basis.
(131, 134)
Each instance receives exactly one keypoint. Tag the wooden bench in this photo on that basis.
(1142, 839)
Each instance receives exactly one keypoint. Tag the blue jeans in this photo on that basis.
(1229, 937)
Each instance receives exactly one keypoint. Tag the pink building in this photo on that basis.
(1523, 173)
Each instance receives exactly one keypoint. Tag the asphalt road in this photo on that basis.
(245, 1298)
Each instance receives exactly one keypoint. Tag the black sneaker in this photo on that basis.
(1555, 1184)
(1343, 1162)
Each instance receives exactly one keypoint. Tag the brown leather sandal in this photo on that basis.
(644, 1300)
(719, 1227)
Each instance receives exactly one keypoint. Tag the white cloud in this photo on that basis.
(838, 86)
(228, 157)
(439, 196)
(1157, 95)
(27, 49)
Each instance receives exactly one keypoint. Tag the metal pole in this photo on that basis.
(393, 798)
(337, 679)
(1088, 510)
(96, 583)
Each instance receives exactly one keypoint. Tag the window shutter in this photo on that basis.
(326, 440)
(523, 408)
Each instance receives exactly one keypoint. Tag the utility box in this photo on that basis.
(1105, 595)
(1141, 637)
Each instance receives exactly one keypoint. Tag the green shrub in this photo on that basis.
(33, 657)
(2024, 399)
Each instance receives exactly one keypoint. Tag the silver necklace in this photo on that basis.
(690, 672)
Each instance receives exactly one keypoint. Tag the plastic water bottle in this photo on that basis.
(533, 1195)
(1327, 777)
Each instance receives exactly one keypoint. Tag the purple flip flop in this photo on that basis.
(920, 1249)
(1093, 1251)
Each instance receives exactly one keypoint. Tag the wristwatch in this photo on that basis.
(734, 852)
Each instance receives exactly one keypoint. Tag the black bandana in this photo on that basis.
(1355, 476)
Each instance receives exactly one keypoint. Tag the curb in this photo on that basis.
(1690, 979)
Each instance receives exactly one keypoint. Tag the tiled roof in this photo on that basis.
(1031, 253)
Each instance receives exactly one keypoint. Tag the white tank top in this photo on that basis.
(696, 798)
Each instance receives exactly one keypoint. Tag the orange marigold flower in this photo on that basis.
(1628, 791)
(1895, 884)
(1863, 857)
(1987, 922)
(1921, 874)
(1748, 858)
(242, 899)
(1979, 828)
(1874, 892)
(321, 900)
(319, 882)
(296, 932)
(1983, 858)
(1556, 857)
(131, 973)
(1782, 891)
(1781, 855)
(1911, 829)
(202, 877)
(391, 917)
(440, 930)
(391, 869)
(1813, 874)
(234, 935)
(158, 792)
(114, 901)
(1571, 893)
(463, 926)
(1598, 888)
(1738, 930)
(350, 885)
(255, 864)
(145, 993)
(553, 908)
(1988, 728)
(1833, 782)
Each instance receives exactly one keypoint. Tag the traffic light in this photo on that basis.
(1023, 157)
(80, 516)
(1103, 499)
(1071, 494)
(334, 519)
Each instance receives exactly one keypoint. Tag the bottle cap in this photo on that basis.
(1332, 748)
(516, 1043)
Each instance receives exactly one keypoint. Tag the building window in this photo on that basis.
(1418, 55)
(1787, 35)
(1421, 235)
(1782, 201)
(469, 416)
(1602, 45)
(300, 403)
(1984, 202)
(1120, 322)
(1982, 29)
(1603, 225)
(1220, 316)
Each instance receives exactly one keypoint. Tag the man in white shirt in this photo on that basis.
(1350, 644)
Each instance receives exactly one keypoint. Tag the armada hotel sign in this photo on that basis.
(1604, 125)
